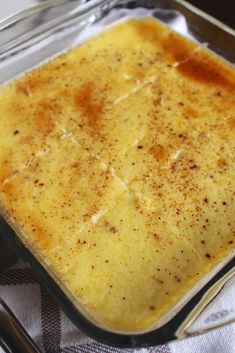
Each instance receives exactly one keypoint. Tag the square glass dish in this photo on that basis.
(40, 33)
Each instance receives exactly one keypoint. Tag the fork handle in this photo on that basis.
(13, 337)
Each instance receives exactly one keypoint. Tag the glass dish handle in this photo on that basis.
(213, 310)
(23, 28)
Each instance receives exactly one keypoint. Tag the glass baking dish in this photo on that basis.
(35, 35)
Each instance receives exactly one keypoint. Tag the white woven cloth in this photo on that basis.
(54, 332)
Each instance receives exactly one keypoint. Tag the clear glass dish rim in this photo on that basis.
(52, 283)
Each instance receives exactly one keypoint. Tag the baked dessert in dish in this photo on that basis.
(117, 166)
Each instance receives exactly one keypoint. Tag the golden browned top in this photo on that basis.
(118, 167)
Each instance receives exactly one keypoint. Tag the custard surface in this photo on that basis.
(117, 164)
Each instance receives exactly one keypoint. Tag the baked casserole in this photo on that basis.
(118, 166)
